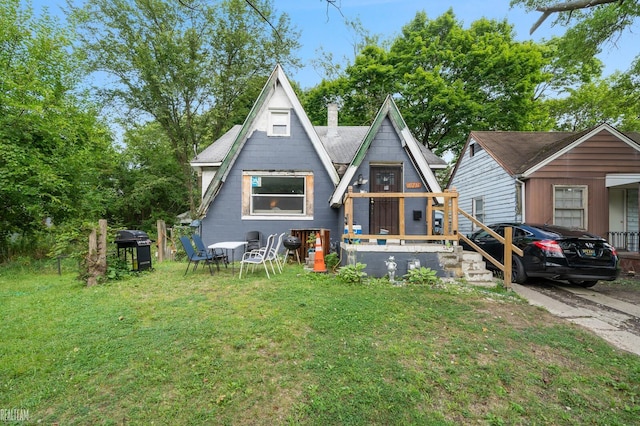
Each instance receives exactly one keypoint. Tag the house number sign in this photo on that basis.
(413, 185)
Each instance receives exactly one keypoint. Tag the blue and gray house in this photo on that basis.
(279, 173)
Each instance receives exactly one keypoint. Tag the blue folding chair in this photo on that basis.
(216, 256)
(193, 257)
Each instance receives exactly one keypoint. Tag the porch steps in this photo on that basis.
(468, 265)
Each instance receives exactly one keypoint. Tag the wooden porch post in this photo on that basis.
(508, 254)
(429, 217)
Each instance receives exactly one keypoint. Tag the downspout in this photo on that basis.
(522, 198)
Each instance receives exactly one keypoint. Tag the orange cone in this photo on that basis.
(318, 264)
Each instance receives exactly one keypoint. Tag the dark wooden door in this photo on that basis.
(383, 212)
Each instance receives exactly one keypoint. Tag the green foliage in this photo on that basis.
(445, 79)
(56, 157)
(612, 100)
(151, 181)
(422, 275)
(332, 260)
(191, 68)
(118, 269)
(352, 274)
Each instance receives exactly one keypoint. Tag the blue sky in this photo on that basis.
(323, 27)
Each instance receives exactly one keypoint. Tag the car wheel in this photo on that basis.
(518, 275)
(585, 284)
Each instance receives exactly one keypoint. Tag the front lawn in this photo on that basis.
(300, 348)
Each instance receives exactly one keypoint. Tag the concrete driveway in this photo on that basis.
(616, 321)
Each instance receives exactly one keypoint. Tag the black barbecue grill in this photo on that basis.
(137, 245)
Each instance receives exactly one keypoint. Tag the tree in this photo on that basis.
(149, 182)
(609, 100)
(590, 26)
(594, 22)
(55, 155)
(184, 66)
(446, 80)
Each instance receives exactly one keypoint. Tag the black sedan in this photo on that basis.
(552, 252)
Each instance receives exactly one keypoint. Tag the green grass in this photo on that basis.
(300, 348)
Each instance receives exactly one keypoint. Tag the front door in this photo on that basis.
(383, 212)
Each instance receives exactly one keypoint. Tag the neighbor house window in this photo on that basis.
(279, 123)
(477, 209)
(474, 148)
(277, 194)
(570, 206)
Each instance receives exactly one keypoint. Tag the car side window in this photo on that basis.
(519, 233)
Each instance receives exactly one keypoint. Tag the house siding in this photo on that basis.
(586, 164)
(481, 176)
(601, 154)
(224, 221)
(386, 148)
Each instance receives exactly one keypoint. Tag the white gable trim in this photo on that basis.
(423, 166)
(579, 141)
(407, 141)
(619, 179)
(308, 127)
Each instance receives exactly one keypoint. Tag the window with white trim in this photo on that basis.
(277, 194)
(570, 206)
(477, 209)
(279, 123)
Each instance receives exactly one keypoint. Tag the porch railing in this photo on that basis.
(449, 209)
(449, 227)
(628, 241)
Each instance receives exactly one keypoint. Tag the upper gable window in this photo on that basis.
(474, 148)
(279, 123)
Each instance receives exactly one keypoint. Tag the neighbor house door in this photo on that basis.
(383, 212)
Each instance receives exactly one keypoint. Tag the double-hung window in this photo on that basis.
(570, 206)
(277, 194)
(279, 122)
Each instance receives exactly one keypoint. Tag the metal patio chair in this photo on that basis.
(259, 256)
(193, 257)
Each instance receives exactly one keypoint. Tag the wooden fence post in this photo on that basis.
(162, 240)
(102, 247)
(97, 255)
(92, 258)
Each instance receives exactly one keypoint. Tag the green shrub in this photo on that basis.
(421, 276)
(332, 261)
(352, 273)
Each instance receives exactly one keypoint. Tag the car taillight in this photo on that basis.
(549, 247)
(612, 249)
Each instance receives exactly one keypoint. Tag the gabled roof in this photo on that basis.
(551, 152)
(388, 109)
(239, 137)
(341, 147)
(522, 153)
(214, 154)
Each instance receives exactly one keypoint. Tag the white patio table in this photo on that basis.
(226, 246)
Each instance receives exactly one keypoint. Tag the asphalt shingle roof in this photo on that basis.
(341, 147)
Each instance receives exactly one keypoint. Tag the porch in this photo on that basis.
(628, 248)
(437, 248)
